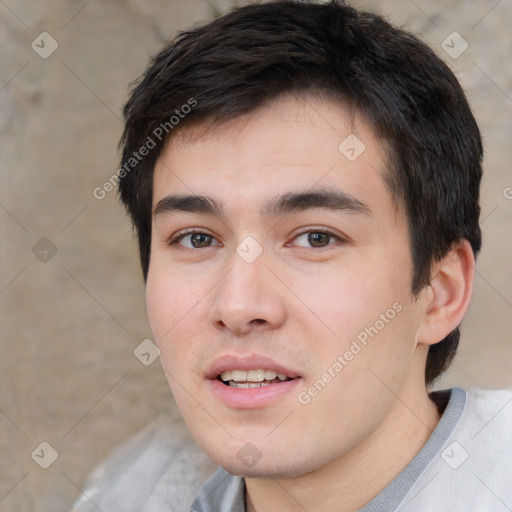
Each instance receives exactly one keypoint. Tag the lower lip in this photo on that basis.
(251, 398)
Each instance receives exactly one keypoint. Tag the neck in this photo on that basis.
(348, 483)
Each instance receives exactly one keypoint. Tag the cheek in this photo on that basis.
(172, 304)
(171, 295)
(343, 302)
(364, 312)
(173, 308)
(160, 302)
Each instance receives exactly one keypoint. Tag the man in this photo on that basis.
(304, 183)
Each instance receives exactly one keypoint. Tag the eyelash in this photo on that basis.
(325, 231)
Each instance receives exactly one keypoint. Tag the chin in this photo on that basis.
(268, 469)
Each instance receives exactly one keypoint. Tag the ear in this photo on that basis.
(447, 297)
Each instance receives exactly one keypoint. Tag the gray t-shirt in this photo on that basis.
(466, 465)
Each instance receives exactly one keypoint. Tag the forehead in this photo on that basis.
(292, 143)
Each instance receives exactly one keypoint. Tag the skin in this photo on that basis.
(298, 304)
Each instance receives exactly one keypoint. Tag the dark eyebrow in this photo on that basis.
(330, 199)
(290, 202)
(191, 204)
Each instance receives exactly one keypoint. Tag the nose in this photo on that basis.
(247, 299)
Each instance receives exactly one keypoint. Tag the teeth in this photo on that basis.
(251, 375)
(239, 375)
(247, 385)
(256, 375)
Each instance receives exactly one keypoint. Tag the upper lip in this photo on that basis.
(230, 362)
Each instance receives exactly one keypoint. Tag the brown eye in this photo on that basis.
(200, 240)
(195, 240)
(316, 239)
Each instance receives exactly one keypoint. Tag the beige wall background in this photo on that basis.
(71, 294)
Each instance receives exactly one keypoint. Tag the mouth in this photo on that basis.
(251, 379)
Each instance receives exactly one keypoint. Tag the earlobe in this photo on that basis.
(448, 294)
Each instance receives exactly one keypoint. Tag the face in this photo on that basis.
(279, 287)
